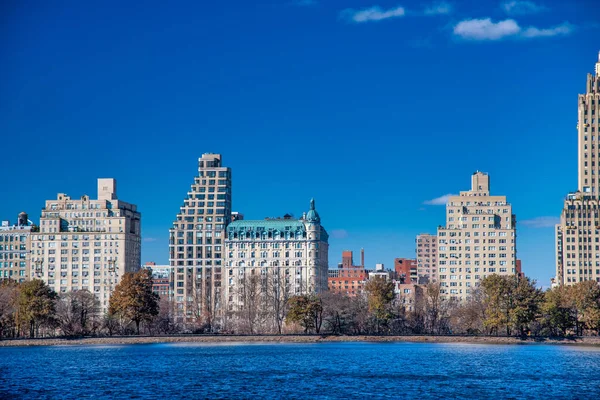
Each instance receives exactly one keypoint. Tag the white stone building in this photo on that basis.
(87, 243)
(291, 252)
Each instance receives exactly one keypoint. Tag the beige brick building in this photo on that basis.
(87, 243)
(479, 239)
(578, 234)
(426, 258)
(197, 240)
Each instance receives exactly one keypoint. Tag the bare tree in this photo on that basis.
(78, 313)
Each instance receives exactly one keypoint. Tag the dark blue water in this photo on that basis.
(299, 371)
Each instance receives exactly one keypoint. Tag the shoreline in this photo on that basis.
(219, 339)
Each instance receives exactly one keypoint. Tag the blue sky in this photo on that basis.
(374, 108)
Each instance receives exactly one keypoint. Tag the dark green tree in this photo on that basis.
(36, 305)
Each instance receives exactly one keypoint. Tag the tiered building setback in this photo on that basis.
(479, 239)
(87, 243)
(197, 239)
(578, 234)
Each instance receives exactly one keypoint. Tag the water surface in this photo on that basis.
(299, 371)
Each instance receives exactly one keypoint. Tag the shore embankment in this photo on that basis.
(126, 340)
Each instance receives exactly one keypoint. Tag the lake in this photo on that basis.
(300, 371)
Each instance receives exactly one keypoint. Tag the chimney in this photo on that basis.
(362, 258)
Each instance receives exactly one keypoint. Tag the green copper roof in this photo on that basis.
(266, 225)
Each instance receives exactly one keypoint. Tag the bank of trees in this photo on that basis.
(500, 305)
(32, 309)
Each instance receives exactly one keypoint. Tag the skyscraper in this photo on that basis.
(87, 244)
(578, 234)
(196, 243)
(479, 239)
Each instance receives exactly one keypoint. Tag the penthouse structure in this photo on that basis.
(479, 239)
(578, 233)
(87, 243)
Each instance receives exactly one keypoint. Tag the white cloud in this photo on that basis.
(374, 13)
(150, 239)
(563, 29)
(486, 29)
(541, 222)
(339, 233)
(438, 201)
(438, 9)
(522, 7)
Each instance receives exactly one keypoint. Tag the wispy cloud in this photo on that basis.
(438, 9)
(339, 233)
(150, 239)
(438, 201)
(372, 14)
(304, 3)
(522, 7)
(541, 222)
(563, 29)
(486, 29)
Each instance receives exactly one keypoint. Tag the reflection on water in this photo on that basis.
(321, 371)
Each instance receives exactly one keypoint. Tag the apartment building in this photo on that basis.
(347, 278)
(479, 239)
(15, 246)
(578, 233)
(87, 243)
(196, 242)
(162, 279)
(406, 270)
(426, 258)
(289, 255)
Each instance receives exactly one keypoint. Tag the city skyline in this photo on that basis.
(374, 128)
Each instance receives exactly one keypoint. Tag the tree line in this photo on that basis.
(32, 309)
(500, 305)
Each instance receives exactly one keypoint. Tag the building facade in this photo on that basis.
(87, 243)
(196, 242)
(578, 233)
(347, 278)
(162, 279)
(479, 239)
(406, 270)
(289, 255)
(426, 258)
(15, 249)
(408, 295)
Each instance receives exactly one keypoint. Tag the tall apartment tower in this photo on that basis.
(578, 234)
(87, 243)
(426, 258)
(196, 243)
(479, 239)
